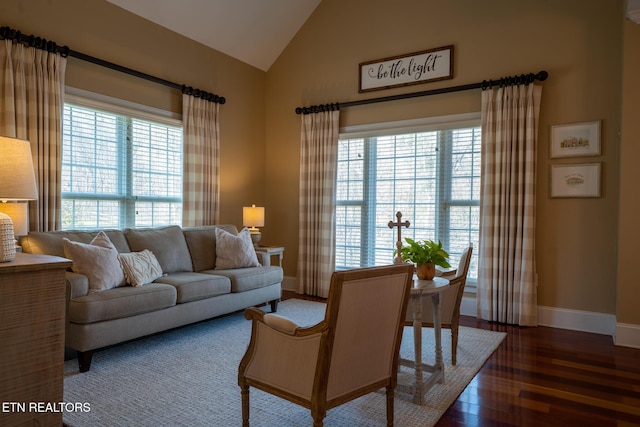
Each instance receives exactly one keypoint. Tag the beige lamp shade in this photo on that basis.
(17, 179)
(253, 216)
(17, 183)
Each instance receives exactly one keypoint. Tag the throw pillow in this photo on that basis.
(140, 268)
(97, 260)
(235, 251)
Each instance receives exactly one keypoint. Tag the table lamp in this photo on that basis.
(253, 217)
(17, 185)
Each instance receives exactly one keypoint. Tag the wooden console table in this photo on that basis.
(32, 316)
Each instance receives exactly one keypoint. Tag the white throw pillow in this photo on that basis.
(140, 268)
(235, 251)
(97, 260)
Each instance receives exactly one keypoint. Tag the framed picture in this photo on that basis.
(579, 180)
(580, 139)
(409, 69)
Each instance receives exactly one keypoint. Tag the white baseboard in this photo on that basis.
(289, 283)
(626, 335)
(585, 321)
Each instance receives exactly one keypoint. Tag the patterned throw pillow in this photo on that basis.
(235, 251)
(140, 268)
(97, 260)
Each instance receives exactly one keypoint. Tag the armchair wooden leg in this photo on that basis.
(454, 345)
(390, 397)
(274, 305)
(245, 405)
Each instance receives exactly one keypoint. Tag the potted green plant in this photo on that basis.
(425, 254)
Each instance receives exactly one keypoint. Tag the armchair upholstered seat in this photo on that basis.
(352, 352)
(450, 301)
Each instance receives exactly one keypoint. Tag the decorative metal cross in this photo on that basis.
(399, 224)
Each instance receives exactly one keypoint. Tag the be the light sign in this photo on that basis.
(414, 68)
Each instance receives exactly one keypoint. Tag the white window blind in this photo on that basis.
(432, 176)
(119, 170)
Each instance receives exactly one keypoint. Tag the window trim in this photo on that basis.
(85, 98)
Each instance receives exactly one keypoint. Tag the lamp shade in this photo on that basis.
(253, 216)
(17, 179)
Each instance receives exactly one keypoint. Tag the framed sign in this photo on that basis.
(410, 69)
(580, 139)
(581, 180)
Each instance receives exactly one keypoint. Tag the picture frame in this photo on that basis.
(575, 180)
(408, 69)
(574, 140)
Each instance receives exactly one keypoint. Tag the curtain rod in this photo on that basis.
(485, 84)
(44, 44)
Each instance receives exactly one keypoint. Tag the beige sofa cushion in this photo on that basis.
(246, 279)
(121, 302)
(202, 244)
(50, 242)
(195, 286)
(166, 243)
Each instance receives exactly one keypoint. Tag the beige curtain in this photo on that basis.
(507, 278)
(318, 164)
(32, 103)
(201, 176)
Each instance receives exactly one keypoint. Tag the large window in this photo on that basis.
(119, 170)
(430, 173)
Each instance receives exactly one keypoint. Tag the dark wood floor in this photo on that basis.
(550, 377)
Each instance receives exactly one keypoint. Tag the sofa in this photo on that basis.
(194, 283)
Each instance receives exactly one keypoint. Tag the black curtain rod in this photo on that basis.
(485, 84)
(44, 44)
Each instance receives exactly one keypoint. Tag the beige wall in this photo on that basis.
(105, 31)
(628, 289)
(577, 41)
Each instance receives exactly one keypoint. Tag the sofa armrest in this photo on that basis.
(77, 285)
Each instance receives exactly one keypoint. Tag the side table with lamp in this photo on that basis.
(32, 302)
(253, 217)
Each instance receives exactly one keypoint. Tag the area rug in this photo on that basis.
(188, 377)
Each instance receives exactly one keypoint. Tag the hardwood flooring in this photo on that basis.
(549, 377)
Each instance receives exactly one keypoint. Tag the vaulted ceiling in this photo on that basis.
(252, 31)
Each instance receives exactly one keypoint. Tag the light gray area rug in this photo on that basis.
(188, 377)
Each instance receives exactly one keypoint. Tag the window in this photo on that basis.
(430, 173)
(119, 170)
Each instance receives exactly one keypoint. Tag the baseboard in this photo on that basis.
(289, 283)
(627, 335)
(576, 320)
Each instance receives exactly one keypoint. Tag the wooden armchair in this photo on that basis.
(352, 352)
(450, 301)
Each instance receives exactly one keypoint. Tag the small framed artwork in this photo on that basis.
(579, 180)
(580, 139)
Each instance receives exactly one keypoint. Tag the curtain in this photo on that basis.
(507, 279)
(201, 176)
(32, 97)
(318, 164)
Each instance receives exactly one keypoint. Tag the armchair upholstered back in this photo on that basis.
(352, 352)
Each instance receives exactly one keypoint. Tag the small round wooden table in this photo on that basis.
(421, 289)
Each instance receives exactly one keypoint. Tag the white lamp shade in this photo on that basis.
(19, 214)
(17, 179)
(253, 216)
